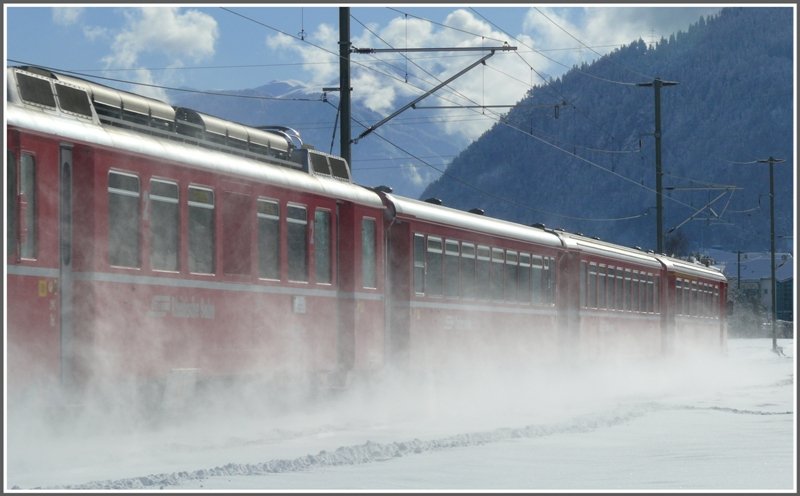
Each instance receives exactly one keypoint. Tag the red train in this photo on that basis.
(146, 240)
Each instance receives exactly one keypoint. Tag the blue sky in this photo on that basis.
(243, 46)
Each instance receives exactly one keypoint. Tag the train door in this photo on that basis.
(65, 264)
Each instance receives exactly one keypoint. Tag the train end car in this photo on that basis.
(148, 242)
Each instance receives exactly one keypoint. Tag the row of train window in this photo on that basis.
(458, 269)
(607, 287)
(301, 242)
(696, 298)
(124, 221)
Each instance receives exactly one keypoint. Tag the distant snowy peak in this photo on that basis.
(287, 89)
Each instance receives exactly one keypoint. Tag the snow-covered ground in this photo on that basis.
(706, 423)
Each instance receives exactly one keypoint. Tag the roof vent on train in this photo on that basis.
(434, 201)
(230, 136)
(41, 87)
(538, 225)
(382, 189)
(477, 211)
(321, 163)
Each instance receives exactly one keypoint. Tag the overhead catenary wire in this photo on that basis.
(496, 116)
(499, 119)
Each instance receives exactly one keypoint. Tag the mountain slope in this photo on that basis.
(592, 158)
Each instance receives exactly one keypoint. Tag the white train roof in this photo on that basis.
(87, 131)
(450, 217)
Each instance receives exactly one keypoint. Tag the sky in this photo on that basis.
(242, 46)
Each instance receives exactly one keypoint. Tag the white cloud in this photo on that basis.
(418, 175)
(94, 33)
(599, 27)
(169, 34)
(379, 80)
(165, 31)
(66, 16)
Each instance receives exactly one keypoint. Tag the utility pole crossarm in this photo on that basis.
(424, 95)
(504, 48)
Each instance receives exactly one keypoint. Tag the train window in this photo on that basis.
(656, 299)
(36, 90)
(650, 293)
(524, 280)
(496, 282)
(601, 286)
(201, 230)
(237, 233)
(322, 246)
(11, 205)
(619, 289)
(164, 225)
(630, 294)
(637, 291)
(368, 254)
(419, 263)
(591, 297)
(269, 239)
(584, 275)
(469, 289)
(482, 269)
(123, 219)
(297, 232)
(512, 270)
(549, 280)
(28, 204)
(452, 282)
(433, 273)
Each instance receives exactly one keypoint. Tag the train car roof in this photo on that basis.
(610, 250)
(691, 269)
(112, 138)
(450, 217)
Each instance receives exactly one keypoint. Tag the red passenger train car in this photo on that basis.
(147, 241)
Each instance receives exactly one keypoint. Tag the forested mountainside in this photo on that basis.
(579, 151)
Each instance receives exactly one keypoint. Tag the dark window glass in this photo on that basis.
(419, 263)
(452, 283)
(468, 270)
(524, 278)
(123, 219)
(11, 205)
(297, 218)
(164, 225)
(322, 246)
(433, 273)
(28, 206)
(269, 241)
(201, 230)
(368, 255)
(496, 278)
(619, 292)
(484, 260)
(512, 270)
